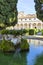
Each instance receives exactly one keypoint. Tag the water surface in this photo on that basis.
(25, 58)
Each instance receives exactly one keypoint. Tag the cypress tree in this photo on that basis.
(39, 8)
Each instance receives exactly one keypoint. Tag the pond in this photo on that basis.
(25, 58)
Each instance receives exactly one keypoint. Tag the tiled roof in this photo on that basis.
(22, 15)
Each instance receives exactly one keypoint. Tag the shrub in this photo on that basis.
(25, 31)
(14, 32)
(24, 45)
(35, 31)
(31, 31)
(42, 31)
(6, 46)
(4, 32)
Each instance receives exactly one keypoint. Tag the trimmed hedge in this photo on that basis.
(31, 31)
(14, 32)
(21, 32)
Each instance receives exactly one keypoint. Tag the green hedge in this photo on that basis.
(14, 32)
(21, 32)
(8, 32)
(31, 31)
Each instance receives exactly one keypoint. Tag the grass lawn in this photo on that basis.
(39, 60)
(16, 59)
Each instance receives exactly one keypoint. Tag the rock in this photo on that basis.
(15, 40)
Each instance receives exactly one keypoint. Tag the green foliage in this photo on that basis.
(22, 31)
(39, 60)
(6, 45)
(8, 12)
(38, 8)
(4, 31)
(9, 46)
(36, 31)
(14, 32)
(13, 59)
(8, 31)
(24, 45)
(31, 31)
(42, 31)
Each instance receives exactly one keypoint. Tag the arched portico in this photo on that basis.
(25, 25)
(30, 25)
(34, 25)
(21, 25)
(39, 26)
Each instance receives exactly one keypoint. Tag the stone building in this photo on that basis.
(28, 21)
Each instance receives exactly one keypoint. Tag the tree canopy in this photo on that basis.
(39, 8)
(8, 12)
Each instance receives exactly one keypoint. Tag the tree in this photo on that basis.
(8, 12)
(39, 8)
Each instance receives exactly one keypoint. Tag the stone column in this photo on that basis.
(31, 26)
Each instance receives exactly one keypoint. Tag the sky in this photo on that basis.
(28, 6)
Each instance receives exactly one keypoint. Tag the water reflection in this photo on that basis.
(29, 58)
(36, 49)
(35, 42)
(21, 59)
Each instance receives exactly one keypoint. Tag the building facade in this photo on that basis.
(28, 21)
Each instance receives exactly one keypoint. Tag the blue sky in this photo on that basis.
(27, 6)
